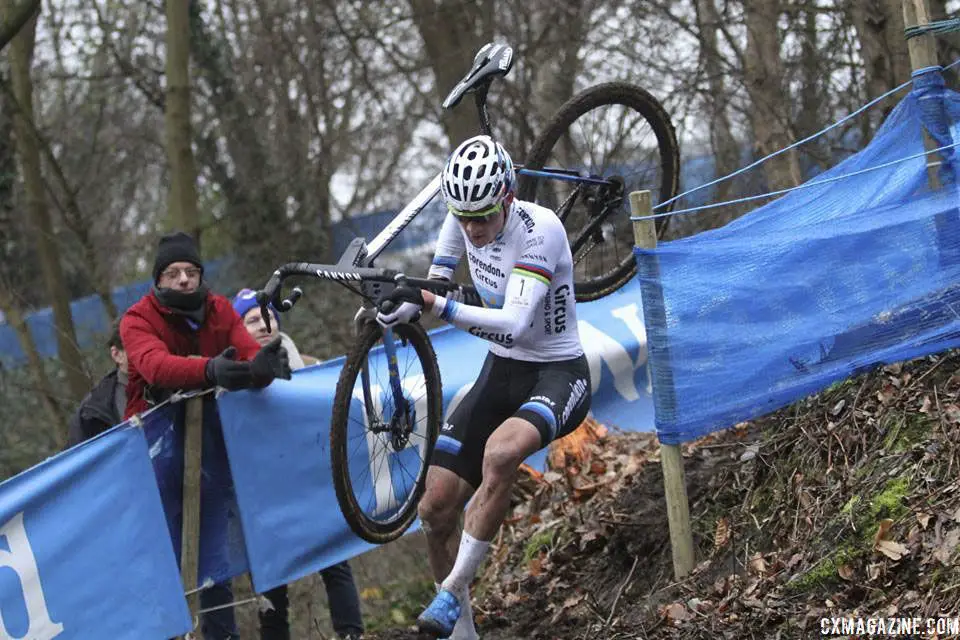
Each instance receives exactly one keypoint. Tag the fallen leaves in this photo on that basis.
(943, 551)
(883, 544)
(781, 548)
(721, 535)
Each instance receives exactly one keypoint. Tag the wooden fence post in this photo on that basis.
(671, 460)
(923, 54)
(190, 533)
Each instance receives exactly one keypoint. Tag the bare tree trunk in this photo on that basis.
(11, 250)
(947, 49)
(16, 19)
(73, 216)
(182, 200)
(809, 119)
(15, 319)
(452, 32)
(21, 55)
(255, 205)
(879, 25)
(763, 75)
(726, 155)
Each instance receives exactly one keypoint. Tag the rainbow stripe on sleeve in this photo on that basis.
(533, 271)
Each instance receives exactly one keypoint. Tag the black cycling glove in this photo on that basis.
(271, 362)
(405, 293)
(228, 373)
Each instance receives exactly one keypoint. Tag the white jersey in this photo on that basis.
(525, 278)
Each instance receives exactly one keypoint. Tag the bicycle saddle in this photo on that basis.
(492, 60)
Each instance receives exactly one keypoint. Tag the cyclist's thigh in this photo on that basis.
(464, 435)
(560, 399)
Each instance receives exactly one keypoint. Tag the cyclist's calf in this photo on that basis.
(442, 502)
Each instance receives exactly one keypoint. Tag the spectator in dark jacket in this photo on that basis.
(178, 319)
(342, 593)
(104, 406)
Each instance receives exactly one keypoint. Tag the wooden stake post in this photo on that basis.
(190, 534)
(671, 460)
(923, 54)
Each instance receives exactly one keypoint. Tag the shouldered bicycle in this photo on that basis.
(383, 429)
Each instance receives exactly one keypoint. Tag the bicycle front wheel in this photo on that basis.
(383, 430)
(615, 131)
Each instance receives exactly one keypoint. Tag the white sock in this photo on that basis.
(464, 629)
(469, 557)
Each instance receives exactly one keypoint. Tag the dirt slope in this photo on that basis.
(844, 504)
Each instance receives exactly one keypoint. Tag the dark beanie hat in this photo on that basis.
(175, 247)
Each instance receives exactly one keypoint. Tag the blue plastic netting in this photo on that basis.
(819, 285)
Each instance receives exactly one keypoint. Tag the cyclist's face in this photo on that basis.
(482, 230)
(257, 328)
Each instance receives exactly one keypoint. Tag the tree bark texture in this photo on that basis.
(182, 198)
(21, 55)
(763, 75)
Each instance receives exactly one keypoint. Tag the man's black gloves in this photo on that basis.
(271, 362)
(228, 373)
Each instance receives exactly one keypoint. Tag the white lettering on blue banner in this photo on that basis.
(601, 348)
(19, 557)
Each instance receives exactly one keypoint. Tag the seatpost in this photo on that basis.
(480, 96)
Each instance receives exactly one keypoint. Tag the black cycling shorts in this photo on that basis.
(553, 396)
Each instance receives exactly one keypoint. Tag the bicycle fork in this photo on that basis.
(400, 422)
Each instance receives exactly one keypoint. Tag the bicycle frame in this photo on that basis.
(356, 264)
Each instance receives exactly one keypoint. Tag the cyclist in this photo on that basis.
(534, 386)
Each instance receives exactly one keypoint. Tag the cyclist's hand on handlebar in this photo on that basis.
(405, 313)
(402, 306)
(404, 293)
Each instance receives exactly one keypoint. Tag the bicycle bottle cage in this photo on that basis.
(492, 60)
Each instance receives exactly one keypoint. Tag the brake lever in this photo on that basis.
(263, 299)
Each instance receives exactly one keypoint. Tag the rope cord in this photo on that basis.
(812, 183)
(784, 150)
(936, 27)
(230, 605)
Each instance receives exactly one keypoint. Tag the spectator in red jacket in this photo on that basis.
(180, 318)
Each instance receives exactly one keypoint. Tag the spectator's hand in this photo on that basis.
(226, 372)
(406, 306)
(270, 363)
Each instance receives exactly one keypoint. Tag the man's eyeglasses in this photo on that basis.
(483, 216)
(173, 273)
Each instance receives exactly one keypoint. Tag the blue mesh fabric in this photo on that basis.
(821, 284)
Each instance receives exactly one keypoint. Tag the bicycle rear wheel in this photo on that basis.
(379, 455)
(616, 131)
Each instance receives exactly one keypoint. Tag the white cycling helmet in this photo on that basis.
(478, 175)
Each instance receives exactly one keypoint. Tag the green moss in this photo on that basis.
(866, 517)
(889, 502)
(541, 541)
(825, 571)
(852, 504)
(839, 384)
(905, 431)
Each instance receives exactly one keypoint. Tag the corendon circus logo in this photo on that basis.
(17, 554)
(506, 339)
